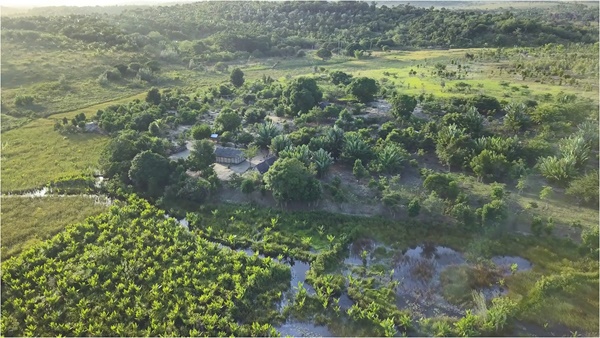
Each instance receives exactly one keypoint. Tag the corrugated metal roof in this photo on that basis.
(227, 152)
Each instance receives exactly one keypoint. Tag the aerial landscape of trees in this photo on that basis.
(301, 168)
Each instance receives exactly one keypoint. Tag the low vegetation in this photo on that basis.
(28, 221)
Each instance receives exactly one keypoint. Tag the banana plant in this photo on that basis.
(389, 328)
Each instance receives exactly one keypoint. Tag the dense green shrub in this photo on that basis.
(585, 188)
(442, 184)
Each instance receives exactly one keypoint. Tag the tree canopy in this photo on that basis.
(363, 88)
(228, 120)
(149, 172)
(202, 155)
(290, 180)
(301, 95)
(237, 77)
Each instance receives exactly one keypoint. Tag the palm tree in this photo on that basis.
(302, 153)
(356, 148)
(265, 133)
(322, 160)
(391, 157)
(557, 169)
(279, 143)
(577, 148)
(334, 139)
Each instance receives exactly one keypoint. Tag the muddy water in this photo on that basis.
(46, 192)
(505, 263)
(296, 329)
(418, 270)
(34, 193)
(293, 327)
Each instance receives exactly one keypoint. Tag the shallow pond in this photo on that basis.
(506, 262)
(418, 270)
(297, 329)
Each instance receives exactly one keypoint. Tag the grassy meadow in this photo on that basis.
(28, 221)
(59, 80)
(34, 154)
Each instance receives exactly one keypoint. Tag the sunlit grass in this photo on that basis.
(28, 221)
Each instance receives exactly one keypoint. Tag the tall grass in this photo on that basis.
(28, 221)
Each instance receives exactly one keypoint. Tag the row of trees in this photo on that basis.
(203, 30)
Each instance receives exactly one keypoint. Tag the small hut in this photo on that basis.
(264, 166)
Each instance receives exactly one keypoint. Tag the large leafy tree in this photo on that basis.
(202, 155)
(118, 153)
(490, 165)
(403, 105)
(340, 78)
(201, 131)
(290, 180)
(153, 96)
(228, 120)
(363, 88)
(485, 104)
(301, 95)
(442, 184)
(324, 53)
(150, 172)
(585, 188)
(237, 77)
(470, 120)
(359, 170)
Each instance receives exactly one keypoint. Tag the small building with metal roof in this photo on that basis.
(229, 155)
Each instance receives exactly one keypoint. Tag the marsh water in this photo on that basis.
(417, 269)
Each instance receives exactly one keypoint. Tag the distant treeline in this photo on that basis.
(283, 28)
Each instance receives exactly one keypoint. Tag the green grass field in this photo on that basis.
(34, 154)
(28, 221)
(59, 80)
